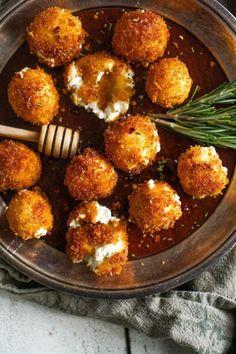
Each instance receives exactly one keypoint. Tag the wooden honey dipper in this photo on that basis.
(53, 140)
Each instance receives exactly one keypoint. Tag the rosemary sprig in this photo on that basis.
(224, 94)
(202, 120)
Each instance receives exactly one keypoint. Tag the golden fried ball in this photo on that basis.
(98, 238)
(201, 172)
(33, 96)
(55, 36)
(100, 83)
(29, 214)
(168, 82)
(20, 166)
(132, 143)
(140, 36)
(154, 206)
(90, 176)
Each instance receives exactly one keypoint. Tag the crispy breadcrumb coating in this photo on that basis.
(97, 238)
(154, 206)
(100, 83)
(201, 172)
(55, 36)
(90, 176)
(132, 143)
(168, 82)
(33, 96)
(20, 166)
(140, 36)
(29, 214)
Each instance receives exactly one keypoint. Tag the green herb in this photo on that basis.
(202, 119)
(160, 167)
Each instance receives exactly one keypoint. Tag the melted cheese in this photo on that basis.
(103, 252)
(75, 80)
(151, 184)
(113, 109)
(103, 216)
(21, 73)
(40, 232)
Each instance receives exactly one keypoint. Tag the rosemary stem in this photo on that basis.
(200, 119)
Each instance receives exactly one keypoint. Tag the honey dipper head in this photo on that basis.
(58, 141)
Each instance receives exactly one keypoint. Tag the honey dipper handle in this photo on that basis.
(20, 134)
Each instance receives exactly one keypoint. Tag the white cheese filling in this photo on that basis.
(177, 198)
(225, 170)
(145, 152)
(104, 252)
(50, 60)
(21, 73)
(113, 109)
(158, 146)
(74, 224)
(103, 216)
(111, 112)
(40, 232)
(99, 76)
(151, 184)
(206, 154)
(172, 207)
(75, 80)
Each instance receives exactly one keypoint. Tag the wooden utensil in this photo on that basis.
(53, 140)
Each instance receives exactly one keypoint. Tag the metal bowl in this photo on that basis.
(216, 28)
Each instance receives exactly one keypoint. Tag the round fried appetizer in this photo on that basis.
(55, 36)
(132, 143)
(154, 206)
(20, 167)
(201, 172)
(168, 82)
(100, 83)
(96, 237)
(140, 36)
(33, 96)
(29, 214)
(90, 176)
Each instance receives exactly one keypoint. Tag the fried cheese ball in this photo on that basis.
(29, 214)
(33, 96)
(140, 36)
(154, 206)
(168, 82)
(20, 166)
(201, 172)
(100, 83)
(132, 143)
(55, 36)
(98, 238)
(90, 176)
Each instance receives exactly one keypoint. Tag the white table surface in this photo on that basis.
(28, 328)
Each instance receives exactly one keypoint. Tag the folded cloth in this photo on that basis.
(199, 315)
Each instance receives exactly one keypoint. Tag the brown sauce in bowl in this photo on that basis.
(205, 72)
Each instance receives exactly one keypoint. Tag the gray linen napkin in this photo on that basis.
(201, 315)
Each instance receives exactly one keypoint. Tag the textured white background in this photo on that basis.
(28, 328)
